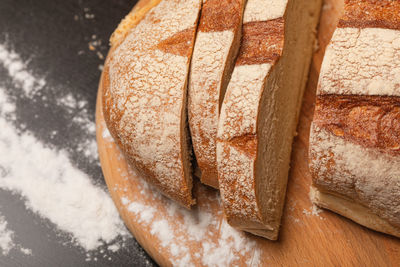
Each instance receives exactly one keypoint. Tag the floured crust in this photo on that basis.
(237, 144)
(370, 121)
(371, 14)
(245, 115)
(261, 48)
(130, 21)
(365, 175)
(144, 93)
(355, 135)
(362, 62)
(217, 44)
(352, 210)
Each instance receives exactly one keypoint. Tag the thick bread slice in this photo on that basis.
(260, 111)
(355, 136)
(144, 95)
(215, 50)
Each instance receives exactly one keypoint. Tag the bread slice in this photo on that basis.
(215, 50)
(145, 92)
(355, 136)
(260, 112)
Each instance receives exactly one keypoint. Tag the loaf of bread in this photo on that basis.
(260, 111)
(355, 136)
(145, 93)
(215, 50)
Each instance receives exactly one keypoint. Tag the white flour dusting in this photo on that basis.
(177, 229)
(31, 85)
(6, 240)
(71, 201)
(314, 211)
(17, 69)
(45, 178)
(26, 251)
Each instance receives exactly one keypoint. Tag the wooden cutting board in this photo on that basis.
(309, 236)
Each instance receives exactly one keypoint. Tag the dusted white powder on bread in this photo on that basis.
(362, 62)
(263, 10)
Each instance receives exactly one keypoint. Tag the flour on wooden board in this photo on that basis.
(314, 209)
(33, 169)
(199, 224)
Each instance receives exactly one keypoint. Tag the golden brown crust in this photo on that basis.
(112, 118)
(131, 20)
(262, 42)
(108, 103)
(254, 135)
(370, 121)
(371, 14)
(246, 144)
(179, 44)
(216, 17)
(128, 120)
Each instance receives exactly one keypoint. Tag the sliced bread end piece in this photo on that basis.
(145, 93)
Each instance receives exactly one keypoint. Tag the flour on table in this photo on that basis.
(17, 69)
(7, 240)
(33, 169)
(72, 202)
(32, 84)
(6, 237)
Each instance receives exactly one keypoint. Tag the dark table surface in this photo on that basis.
(64, 41)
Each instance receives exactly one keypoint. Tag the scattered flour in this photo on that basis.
(32, 85)
(45, 178)
(26, 251)
(6, 240)
(107, 135)
(34, 170)
(88, 14)
(178, 229)
(6, 237)
(17, 69)
(114, 247)
(314, 211)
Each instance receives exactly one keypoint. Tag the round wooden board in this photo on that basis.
(309, 237)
